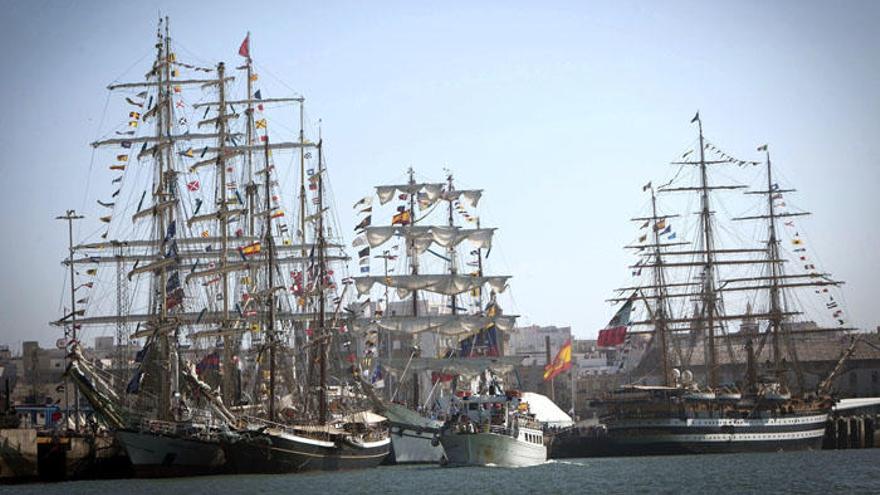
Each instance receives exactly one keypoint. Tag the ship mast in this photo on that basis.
(270, 284)
(776, 281)
(414, 263)
(303, 213)
(322, 275)
(251, 188)
(450, 251)
(709, 297)
(473, 345)
(163, 130)
(413, 255)
(773, 254)
(228, 388)
(660, 283)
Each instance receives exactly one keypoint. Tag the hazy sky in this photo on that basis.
(559, 110)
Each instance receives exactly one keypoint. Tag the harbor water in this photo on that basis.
(840, 471)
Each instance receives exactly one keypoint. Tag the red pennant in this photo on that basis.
(244, 49)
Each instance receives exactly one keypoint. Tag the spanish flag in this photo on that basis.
(402, 218)
(251, 249)
(561, 364)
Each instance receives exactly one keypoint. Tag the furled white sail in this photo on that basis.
(423, 236)
(431, 190)
(448, 284)
(469, 196)
(451, 325)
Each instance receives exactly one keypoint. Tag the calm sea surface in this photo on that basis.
(844, 471)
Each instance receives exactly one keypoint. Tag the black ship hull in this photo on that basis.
(272, 453)
(578, 443)
(668, 436)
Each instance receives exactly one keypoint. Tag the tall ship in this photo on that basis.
(195, 266)
(333, 427)
(428, 314)
(749, 392)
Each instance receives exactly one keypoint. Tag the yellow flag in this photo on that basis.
(133, 123)
(206, 234)
(261, 124)
(254, 77)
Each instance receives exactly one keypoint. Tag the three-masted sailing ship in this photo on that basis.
(335, 428)
(433, 319)
(753, 407)
(217, 315)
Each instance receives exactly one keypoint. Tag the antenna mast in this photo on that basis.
(70, 332)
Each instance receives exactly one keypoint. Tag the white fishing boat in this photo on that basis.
(492, 428)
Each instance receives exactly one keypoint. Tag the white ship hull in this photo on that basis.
(409, 446)
(160, 455)
(491, 449)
